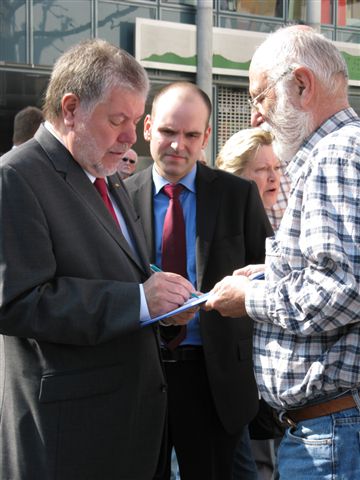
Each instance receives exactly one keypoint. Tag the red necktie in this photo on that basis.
(101, 187)
(173, 254)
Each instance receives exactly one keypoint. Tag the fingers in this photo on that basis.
(165, 291)
(228, 296)
(184, 317)
(249, 270)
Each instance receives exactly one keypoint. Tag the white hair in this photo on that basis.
(302, 46)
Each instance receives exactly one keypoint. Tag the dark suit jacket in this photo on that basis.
(83, 391)
(231, 230)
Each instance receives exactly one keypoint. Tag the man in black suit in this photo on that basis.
(212, 392)
(82, 393)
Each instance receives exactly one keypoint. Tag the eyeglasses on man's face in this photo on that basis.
(127, 159)
(256, 102)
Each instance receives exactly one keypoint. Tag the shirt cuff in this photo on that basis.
(255, 301)
(144, 310)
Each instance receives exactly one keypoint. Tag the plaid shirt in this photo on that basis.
(276, 212)
(307, 311)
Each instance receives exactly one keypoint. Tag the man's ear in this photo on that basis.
(69, 103)
(305, 86)
(147, 128)
(206, 137)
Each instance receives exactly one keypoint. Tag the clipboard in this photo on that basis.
(192, 302)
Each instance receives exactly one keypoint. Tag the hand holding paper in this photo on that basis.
(188, 306)
(165, 291)
(228, 296)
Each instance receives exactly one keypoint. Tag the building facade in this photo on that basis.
(33, 33)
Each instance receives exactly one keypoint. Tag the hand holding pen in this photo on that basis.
(155, 268)
(165, 291)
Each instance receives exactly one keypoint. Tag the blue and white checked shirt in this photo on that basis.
(307, 311)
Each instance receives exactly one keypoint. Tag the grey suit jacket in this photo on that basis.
(83, 390)
(231, 227)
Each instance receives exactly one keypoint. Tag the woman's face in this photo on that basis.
(265, 169)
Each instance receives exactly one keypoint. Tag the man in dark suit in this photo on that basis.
(82, 390)
(212, 392)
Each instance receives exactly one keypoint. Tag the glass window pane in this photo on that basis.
(297, 10)
(178, 16)
(117, 23)
(348, 36)
(181, 2)
(265, 8)
(245, 23)
(349, 13)
(12, 31)
(58, 24)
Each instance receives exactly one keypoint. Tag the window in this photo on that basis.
(233, 112)
(265, 8)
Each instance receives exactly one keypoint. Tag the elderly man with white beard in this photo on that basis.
(307, 310)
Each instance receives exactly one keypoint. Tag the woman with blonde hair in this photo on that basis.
(249, 154)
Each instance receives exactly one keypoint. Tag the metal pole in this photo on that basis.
(204, 50)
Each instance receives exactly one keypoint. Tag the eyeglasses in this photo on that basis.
(255, 102)
(127, 159)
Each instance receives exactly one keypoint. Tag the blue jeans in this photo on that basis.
(323, 448)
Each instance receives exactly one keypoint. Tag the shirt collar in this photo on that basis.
(188, 181)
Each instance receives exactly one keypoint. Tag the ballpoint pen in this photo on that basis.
(155, 268)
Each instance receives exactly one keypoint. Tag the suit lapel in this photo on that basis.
(208, 197)
(132, 219)
(143, 201)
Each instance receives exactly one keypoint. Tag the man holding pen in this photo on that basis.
(220, 225)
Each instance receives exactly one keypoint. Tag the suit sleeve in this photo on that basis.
(36, 299)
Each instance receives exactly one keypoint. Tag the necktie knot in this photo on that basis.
(173, 190)
(101, 186)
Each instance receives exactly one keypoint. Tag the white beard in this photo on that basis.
(289, 126)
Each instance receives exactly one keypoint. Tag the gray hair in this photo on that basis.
(89, 70)
(302, 46)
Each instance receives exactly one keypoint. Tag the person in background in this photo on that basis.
(82, 390)
(209, 369)
(306, 311)
(249, 154)
(26, 123)
(128, 163)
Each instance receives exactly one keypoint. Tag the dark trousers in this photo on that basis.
(203, 448)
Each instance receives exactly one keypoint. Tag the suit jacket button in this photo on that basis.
(164, 388)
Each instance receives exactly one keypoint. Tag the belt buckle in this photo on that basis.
(287, 421)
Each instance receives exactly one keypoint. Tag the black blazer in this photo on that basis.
(83, 390)
(231, 226)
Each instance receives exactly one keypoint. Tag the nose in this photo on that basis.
(128, 135)
(256, 118)
(178, 143)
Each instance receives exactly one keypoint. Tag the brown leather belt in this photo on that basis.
(319, 410)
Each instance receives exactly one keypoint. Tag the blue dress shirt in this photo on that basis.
(188, 203)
